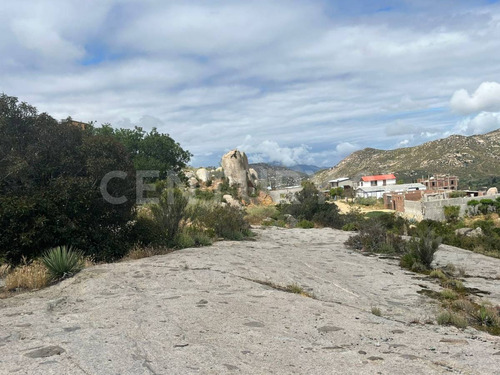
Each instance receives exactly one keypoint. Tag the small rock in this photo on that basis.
(329, 329)
(48, 351)
(372, 358)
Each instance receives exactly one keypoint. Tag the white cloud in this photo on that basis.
(345, 148)
(271, 151)
(485, 98)
(482, 123)
(210, 72)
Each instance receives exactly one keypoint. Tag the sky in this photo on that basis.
(289, 81)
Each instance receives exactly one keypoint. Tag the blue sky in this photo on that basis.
(288, 80)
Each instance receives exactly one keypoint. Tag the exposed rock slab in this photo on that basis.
(206, 311)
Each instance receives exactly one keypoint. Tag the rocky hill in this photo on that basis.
(474, 159)
(278, 176)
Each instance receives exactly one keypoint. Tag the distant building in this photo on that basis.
(378, 180)
(341, 182)
(396, 200)
(379, 191)
(440, 182)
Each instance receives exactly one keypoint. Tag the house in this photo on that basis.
(379, 191)
(378, 180)
(440, 182)
(341, 182)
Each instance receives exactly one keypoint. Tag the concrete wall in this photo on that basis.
(434, 208)
(413, 210)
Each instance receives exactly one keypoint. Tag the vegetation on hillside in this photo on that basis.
(456, 155)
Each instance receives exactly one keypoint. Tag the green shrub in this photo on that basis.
(220, 221)
(305, 224)
(452, 318)
(191, 237)
(184, 240)
(206, 195)
(310, 205)
(451, 213)
(376, 311)
(62, 262)
(146, 231)
(457, 194)
(367, 201)
(424, 247)
(487, 316)
(350, 227)
(169, 212)
(256, 214)
(449, 294)
(438, 274)
(374, 237)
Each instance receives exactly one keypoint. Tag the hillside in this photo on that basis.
(278, 176)
(474, 159)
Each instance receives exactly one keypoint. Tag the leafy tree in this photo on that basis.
(337, 192)
(149, 150)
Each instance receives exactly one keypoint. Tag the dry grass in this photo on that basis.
(139, 252)
(28, 276)
(4, 270)
(256, 214)
(376, 311)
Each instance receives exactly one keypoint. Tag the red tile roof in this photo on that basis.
(379, 177)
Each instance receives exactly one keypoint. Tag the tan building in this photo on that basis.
(440, 182)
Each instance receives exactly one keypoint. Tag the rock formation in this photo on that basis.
(236, 170)
(203, 175)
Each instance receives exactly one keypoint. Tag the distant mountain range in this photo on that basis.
(474, 159)
(302, 168)
(278, 176)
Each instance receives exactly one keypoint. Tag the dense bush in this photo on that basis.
(169, 212)
(220, 221)
(310, 205)
(367, 201)
(374, 236)
(206, 195)
(305, 224)
(451, 213)
(49, 186)
(421, 250)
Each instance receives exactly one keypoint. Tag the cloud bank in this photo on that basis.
(313, 82)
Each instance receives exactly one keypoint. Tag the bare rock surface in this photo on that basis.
(212, 311)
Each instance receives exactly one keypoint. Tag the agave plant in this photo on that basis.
(63, 261)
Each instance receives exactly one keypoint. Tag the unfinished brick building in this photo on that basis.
(440, 182)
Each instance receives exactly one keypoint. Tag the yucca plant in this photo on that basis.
(63, 261)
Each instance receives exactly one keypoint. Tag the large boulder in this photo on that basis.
(231, 201)
(462, 231)
(478, 232)
(203, 175)
(253, 176)
(492, 191)
(235, 165)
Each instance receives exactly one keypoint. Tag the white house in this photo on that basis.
(378, 180)
(378, 191)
